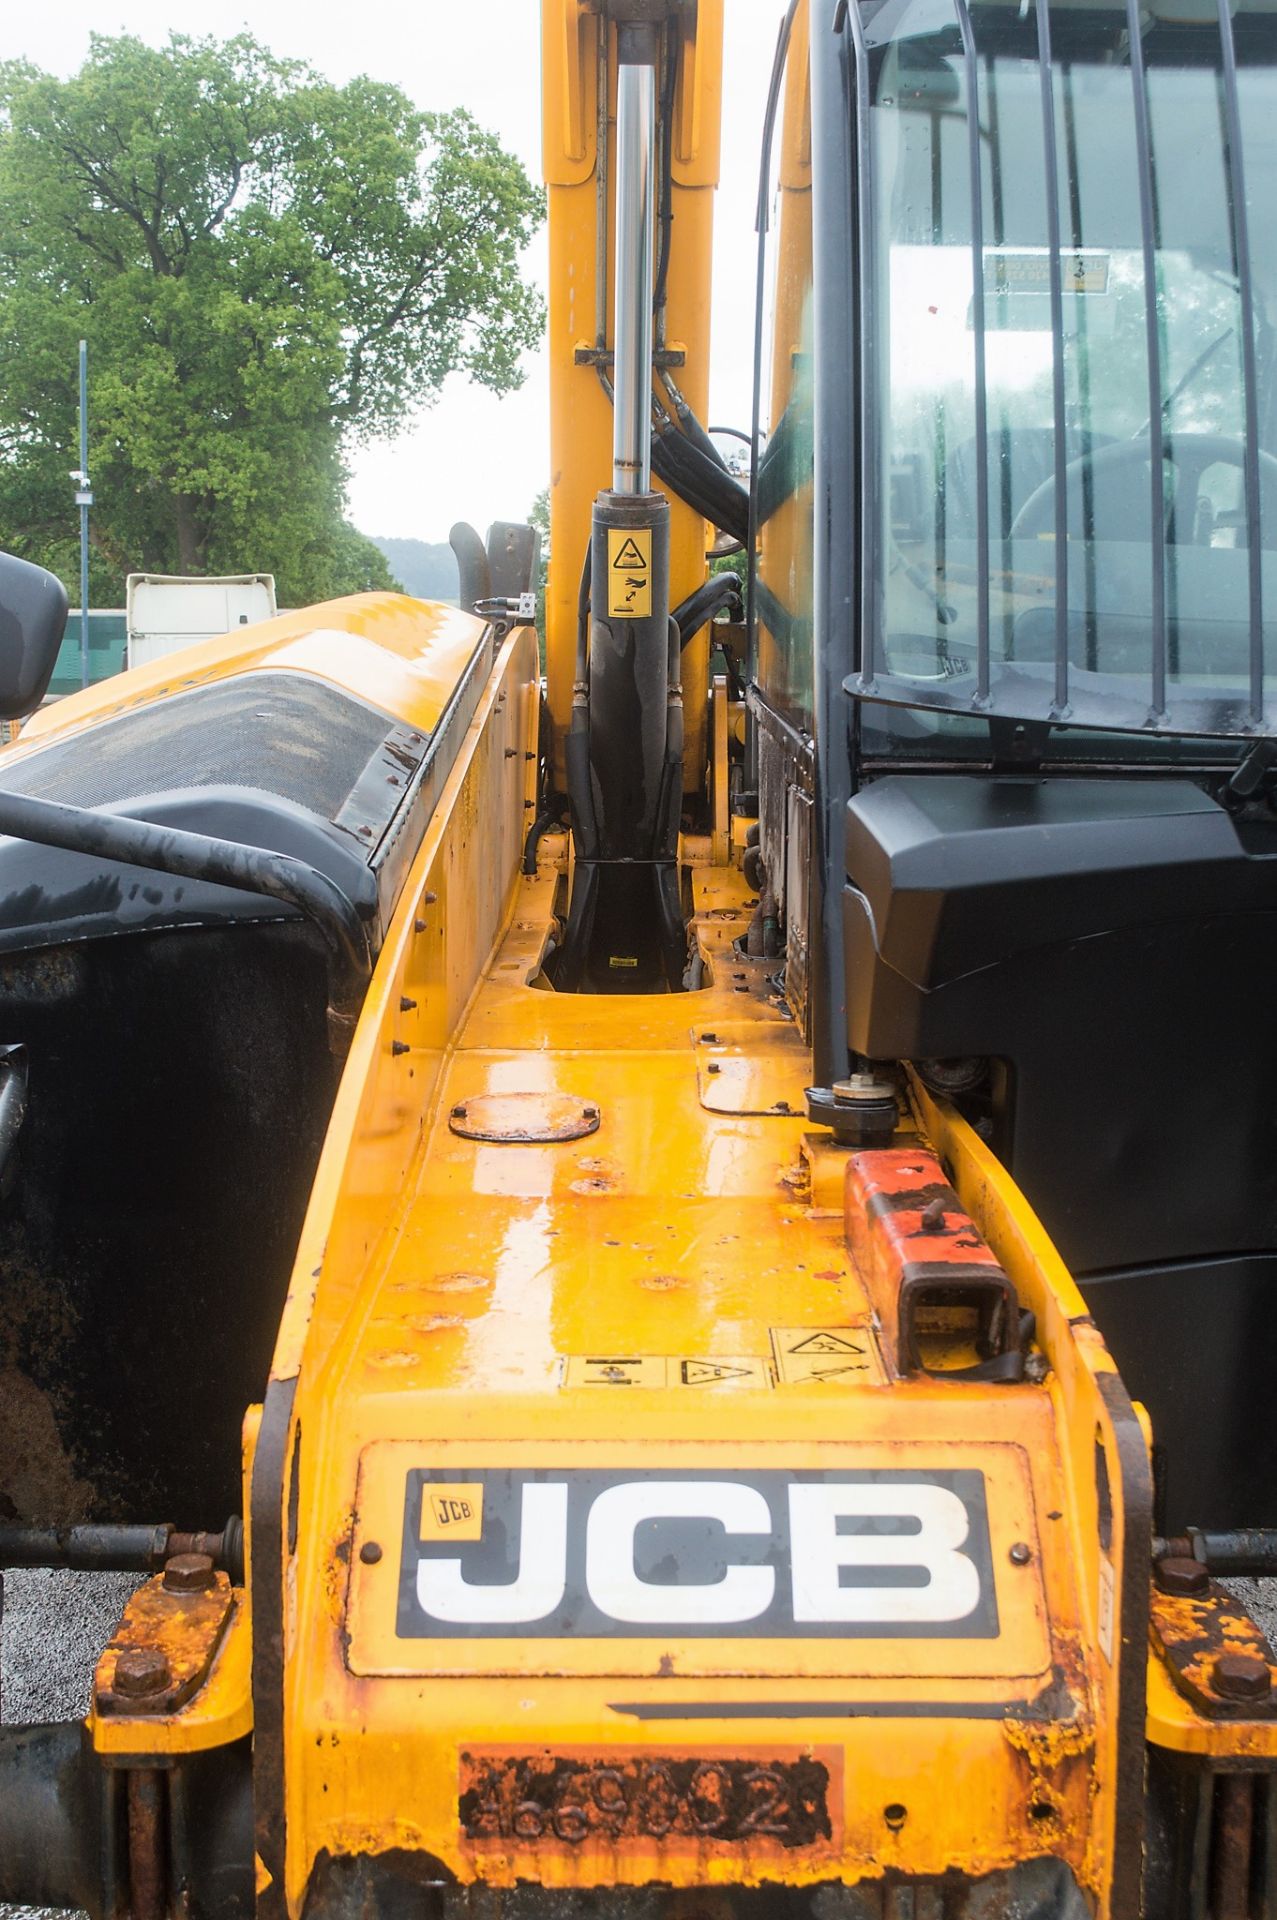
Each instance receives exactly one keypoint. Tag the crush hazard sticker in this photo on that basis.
(629, 573)
(787, 1799)
(593, 1554)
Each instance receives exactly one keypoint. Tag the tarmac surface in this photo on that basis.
(56, 1625)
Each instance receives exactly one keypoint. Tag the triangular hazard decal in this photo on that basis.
(826, 1343)
(630, 557)
(699, 1373)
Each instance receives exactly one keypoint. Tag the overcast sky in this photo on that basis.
(471, 456)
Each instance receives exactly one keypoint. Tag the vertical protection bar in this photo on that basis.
(1153, 343)
(84, 495)
(1235, 175)
(868, 343)
(972, 69)
(1052, 173)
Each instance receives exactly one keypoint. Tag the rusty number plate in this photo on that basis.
(511, 1798)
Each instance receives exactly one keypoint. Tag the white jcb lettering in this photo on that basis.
(444, 1593)
(613, 1581)
(818, 1554)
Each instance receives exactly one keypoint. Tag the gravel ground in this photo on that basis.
(55, 1626)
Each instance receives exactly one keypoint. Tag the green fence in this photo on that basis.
(107, 632)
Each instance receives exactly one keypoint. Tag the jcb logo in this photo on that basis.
(594, 1554)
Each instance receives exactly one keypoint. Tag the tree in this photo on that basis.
(268, 269)
(539, 517)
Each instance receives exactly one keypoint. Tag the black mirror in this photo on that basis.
(33, 618)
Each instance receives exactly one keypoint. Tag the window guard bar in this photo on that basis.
(1234, 173)
(867, 266)
(971, 66)
(1156, 403)
(1051, 160)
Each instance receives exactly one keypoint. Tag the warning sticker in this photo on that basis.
(668, 1370)
(833, 1356)
(629, 573)
(642, 1370)
(738, 1372)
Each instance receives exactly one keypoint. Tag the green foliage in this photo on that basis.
(267, 268)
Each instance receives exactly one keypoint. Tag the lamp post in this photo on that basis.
(84, 500)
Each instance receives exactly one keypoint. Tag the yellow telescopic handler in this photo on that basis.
(709, 1213)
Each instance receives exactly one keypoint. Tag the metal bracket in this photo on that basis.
(604, 357)
(518, 610)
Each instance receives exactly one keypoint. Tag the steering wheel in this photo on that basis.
(1192, 453)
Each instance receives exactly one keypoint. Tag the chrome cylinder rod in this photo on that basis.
(635, 226)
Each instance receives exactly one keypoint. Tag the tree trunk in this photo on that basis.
(192, 536)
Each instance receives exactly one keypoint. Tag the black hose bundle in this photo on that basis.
(720, 592)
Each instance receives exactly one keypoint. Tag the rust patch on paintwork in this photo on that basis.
(661, 1282)
(1056, 1756)
(456, 1283)
(1191, 1633)
(776, 1802)
(187, 1628)
(593, 1183)
(795, 1179)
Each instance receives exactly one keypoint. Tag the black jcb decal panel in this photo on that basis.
(596, 1554)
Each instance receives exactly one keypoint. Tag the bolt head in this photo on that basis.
(1020, 1554)
(141, 1672)
(1241, 1676)
(188, 1573)
(370, 1553)
(1181, 1577)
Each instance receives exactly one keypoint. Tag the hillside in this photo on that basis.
(426, 568)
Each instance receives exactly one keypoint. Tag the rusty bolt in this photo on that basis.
(141, 1672)
(1184, 1578)
(1020, 1554)
(370, 1553)
(188, 1573)
(459, 1111)
(1241, 1676)
(713, 1067)
(933, 1216)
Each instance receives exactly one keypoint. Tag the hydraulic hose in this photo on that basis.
(711, 597)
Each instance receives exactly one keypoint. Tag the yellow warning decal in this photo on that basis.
(629, 573)
(830, 1356)
(453, 1512)
(667, 1370)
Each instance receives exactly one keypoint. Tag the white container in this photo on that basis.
(167, 612)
